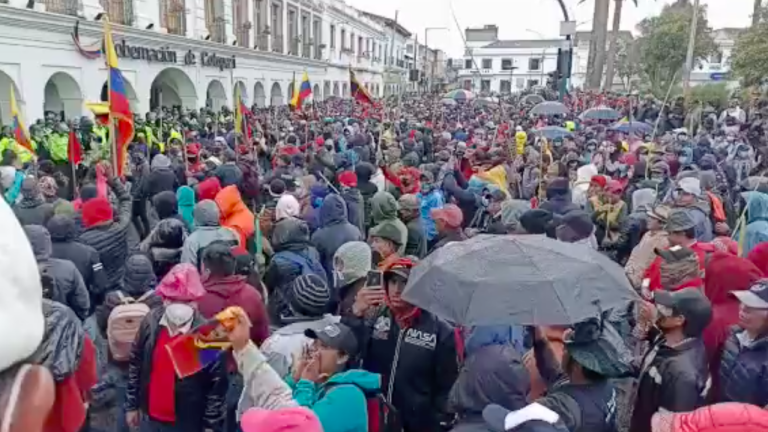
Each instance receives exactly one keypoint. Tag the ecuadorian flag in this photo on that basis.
(119, 106)
(19, 130)
(302, 93)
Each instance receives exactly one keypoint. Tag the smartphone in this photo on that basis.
(374, 279)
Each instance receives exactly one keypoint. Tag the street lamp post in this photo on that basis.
(426, 50)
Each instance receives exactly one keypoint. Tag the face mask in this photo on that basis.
(683, 160)
(179, 314)
(426, 188)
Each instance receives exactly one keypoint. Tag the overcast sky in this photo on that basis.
(515, 17)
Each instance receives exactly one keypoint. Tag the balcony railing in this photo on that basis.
(64, 7)
(277, 44)
(118, 11)
(262, 42)
(307, 50)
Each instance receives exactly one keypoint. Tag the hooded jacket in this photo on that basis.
(234, 290)
(635, 225)
(355, 207)
(207, 231)
(108, 237)
(164, 245)
(235, 214)
(724, 417)
(584, 176)
(699, 212)
(208, 188)
(335, 230)
(418, 364)
(339, 403)
(368, 189)
(32, 208)
(757, 219)
(742, 370)
(161, 177)
(384, 211)
(67, 284)
(289, 235)
(88, 262)
(185, 198)
(465, 199)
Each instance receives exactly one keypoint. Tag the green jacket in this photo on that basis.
(339, 403)
(57, 146)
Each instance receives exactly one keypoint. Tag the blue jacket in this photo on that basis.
(744, 371)
(757, 222)
(339, 403)
(429, 202)
(334, 231)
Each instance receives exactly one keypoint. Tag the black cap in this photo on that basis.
(336, 336)
(690, 303)
(756, 297)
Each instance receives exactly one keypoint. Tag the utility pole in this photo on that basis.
(691, 45)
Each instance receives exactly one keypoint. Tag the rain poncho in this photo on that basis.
(62, 342)
(757, 220)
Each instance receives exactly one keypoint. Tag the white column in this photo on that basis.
(286, 36)
(268, 22)
(229, 21)
(250, 8)
(198, 18)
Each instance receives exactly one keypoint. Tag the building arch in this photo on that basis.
(276, 95)
(63, 96)
(345, 90)
(316, 95)
(326, 90)
(259, 97)
(243, 90)
(172, 87)
(129, 92)
(5, 98)
(289, 93)
(215, 95)
(336, 91)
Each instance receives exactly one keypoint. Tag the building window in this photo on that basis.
(520, 83)
(506, 64)
(352, 42)
(533, 83)
(240, 18)
(505, 86)
(119, 11)
(360, 45)
(716, 58)
(485, 85)
(173, 17)
(487, 63)
(332, 42)
(467, 84)
(468, 64)
(343, 39)
(214, 20)
(66, 7)
(534, 64)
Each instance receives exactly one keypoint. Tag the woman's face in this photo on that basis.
(753, 320)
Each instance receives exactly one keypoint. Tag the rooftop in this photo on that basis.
(536, 43)
(389, 22)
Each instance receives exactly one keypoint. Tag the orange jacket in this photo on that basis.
(724, 417)
(235, 214)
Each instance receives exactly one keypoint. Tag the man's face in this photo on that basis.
(666, 319)
(383, 246)
(684, 198)
(753, 320)
(395, 286)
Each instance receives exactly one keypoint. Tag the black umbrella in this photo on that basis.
(549, 108)
(526, 279)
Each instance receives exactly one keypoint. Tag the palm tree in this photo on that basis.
(756, 12)
(596, 61)
(610, 68)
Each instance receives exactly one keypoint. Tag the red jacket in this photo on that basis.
(724, 417)
(69, 412)
(235, 291)
(654, 270)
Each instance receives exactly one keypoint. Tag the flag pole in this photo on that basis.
(112, 140)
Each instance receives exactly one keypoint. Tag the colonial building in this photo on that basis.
(190, 53)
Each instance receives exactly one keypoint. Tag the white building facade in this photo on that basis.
(191, 53)
(717, 67)
(491, 65)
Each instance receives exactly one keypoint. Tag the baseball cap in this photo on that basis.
(690, 303)
(756, 296)
(679, 220)
(534, 417)
(336, 336)
(690, 185)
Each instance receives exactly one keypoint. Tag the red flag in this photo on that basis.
(74, 150)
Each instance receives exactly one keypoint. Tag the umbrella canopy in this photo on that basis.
(525, 279)
(487, 100)
(533, 99)
(448, 102)
(635, 127)
(549, 108)
(601, 112)
(459, 95)
(553, 132)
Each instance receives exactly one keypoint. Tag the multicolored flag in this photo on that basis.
(359, 93)
(119, 105)
(19, 130)
(241, 117)
(302, 93)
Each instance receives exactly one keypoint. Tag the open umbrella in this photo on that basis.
(635, 127)
(549, 108)
(448, 102)
(487, 100)
(533, 99)
(601, 112)
(459, 95)
(553, 132)
(525, 279)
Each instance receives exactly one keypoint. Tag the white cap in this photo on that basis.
(21, 293)
(519, 129)
(690, 185)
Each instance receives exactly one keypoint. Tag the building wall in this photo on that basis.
(520, 78)
(39, 58)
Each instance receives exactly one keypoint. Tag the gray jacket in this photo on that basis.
(206, 215)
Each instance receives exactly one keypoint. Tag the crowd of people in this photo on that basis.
(306, 225)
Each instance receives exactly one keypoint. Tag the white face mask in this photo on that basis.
(179, 314)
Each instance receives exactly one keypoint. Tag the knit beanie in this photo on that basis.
(309, 295)
(139, 276)
(97, 210)
(352, 262)
(281, 420)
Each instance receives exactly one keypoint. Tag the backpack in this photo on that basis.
(307, 264)
(123, 325)
(382, 415)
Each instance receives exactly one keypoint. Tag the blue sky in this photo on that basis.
(516, 17)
